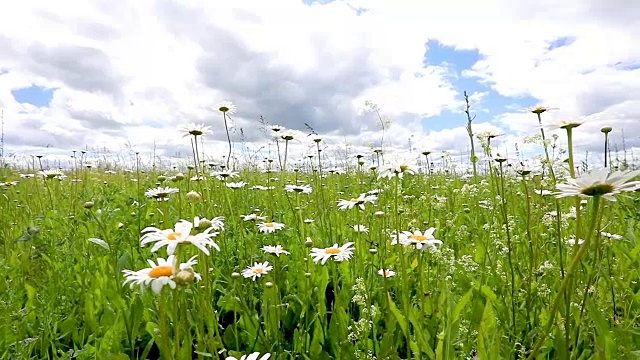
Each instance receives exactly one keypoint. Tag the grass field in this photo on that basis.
(393, 262)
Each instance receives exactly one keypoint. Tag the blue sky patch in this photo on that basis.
(457, 61)
(34, 95)
(560, 42)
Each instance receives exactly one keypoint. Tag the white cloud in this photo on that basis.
(134, 71)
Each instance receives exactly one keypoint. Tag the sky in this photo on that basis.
(118, 77)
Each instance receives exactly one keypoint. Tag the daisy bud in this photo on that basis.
(373, 251)
(204, 224)
(185, 277)
(307, 274)
(193, 196)
(162, 178)
(88, 205)
(606, 129)
(235, 275)
(179, 176)
(309, 242)
(268, 284)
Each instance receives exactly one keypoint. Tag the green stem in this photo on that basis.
(575, 262)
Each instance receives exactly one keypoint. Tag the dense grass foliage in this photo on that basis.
(487, 291)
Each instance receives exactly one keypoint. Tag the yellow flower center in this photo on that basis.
(332, 251)
(354, 200)
(174, 236)
(269, 224)
(418, 237)
(597, 189)
(159, 271)
(258, 270)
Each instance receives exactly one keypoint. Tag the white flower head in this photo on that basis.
(305, 189)
(159, 273)
(398, 168)
(161, 193)
(418, 238)
(599, 183)
(252, 356)
(226, 107)
(276, 250)
(335, 252)
(257, 270)
(180, 234)
(193, 129)
(360, 201)
(387, 273)
(236, 185)
(270, 227)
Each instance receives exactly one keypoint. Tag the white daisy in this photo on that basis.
(418, 238)
(572, 241)
(341, 253)
(181, 233)
(277, 250)
(287, 135)
(217, 223)
(563, 124)
(226, 107)
(252, 356)
(51, 174)
(161, 193)
(611, 236)
(269, 227)
(253, 217)
(257, 270)
(359, 201)
(360, 228)
(261, 187)
(159, 274)
(398, 169)
(236, 185)
(223, 175)
(195, 130)
(387, 273)
(305, 189)
(599, 183)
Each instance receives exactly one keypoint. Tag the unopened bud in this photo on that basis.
(185, 277)
(193, 196)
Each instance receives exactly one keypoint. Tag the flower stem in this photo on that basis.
(575, 262)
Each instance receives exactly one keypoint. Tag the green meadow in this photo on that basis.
(380, 260)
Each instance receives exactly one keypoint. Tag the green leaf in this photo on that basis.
(99, 242)
(402, 321)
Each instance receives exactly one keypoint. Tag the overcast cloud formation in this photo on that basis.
(127, 74)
